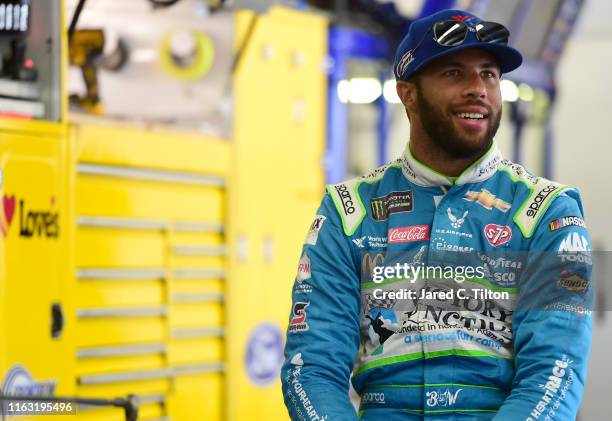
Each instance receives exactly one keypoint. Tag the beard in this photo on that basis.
(440, 127)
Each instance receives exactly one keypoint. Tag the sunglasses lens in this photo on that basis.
(492, 32)
(450, 33)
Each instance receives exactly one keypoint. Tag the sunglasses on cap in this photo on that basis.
(451, 33)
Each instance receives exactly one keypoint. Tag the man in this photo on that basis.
(509, 343)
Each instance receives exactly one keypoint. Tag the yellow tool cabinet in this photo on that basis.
(171, 249)
(150, 268)
(33, 271)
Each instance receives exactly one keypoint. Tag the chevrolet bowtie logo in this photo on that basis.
(487, 200)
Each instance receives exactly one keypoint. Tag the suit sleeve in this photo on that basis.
(323, 332)
(552, 321)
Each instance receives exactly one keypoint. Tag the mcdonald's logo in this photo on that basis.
(368, 262)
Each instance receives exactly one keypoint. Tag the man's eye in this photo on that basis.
(489, 74)
(451, 73)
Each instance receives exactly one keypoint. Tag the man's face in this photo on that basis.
(459, 102)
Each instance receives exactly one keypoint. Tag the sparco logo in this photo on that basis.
(371, 397)
(409, 234)
(347, 200)
(534, 206)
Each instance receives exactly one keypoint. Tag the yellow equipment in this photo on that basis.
(86, 47)
(152, 261)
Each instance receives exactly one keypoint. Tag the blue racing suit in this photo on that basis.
(510, 342)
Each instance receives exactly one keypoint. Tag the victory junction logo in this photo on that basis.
(32, 223)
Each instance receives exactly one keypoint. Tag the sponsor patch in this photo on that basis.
(346, 199)
(394, 202)
(439, 398)
(497, 235)
(487, 200)
(408, 234)
(442, 245)
(298, 318)
(297, 359)
(576, 257)
(377, 242)
(456, 221)
(368, 262)
(566, 221)
(573, 282)
(373, 397)
(303, 268)
(313, 231)
(560, 378)
(347, 202)
(574, 242)
(535, 205)
(359, 242)
(542, 192)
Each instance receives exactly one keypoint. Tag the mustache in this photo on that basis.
(474, 104)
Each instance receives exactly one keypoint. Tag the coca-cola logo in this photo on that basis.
(409, 234)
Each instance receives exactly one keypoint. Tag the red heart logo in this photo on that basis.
(9, 208)
(497, 235)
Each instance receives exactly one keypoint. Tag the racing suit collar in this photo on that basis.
(421, 175)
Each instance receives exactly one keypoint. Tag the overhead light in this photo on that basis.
(359, 90)
(390, 93)
(509, 90)
(525, 92)
(343, 91)
(364, 90)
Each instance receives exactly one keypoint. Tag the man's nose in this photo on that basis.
(474, 85)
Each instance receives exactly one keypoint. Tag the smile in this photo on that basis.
(471, 116)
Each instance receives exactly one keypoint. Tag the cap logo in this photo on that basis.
(406, 59)
(464, 18)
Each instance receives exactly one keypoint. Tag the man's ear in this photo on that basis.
(407, 92)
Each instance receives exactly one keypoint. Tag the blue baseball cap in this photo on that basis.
(418, 48)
